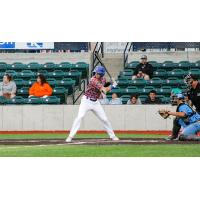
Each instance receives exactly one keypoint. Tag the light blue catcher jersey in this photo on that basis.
(191, 115)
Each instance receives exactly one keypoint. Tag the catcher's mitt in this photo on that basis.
(163, 113)
(107, 84)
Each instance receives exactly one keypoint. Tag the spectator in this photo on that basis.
(134, 100)
(152, 99)
(8, 87)
(41, 88)
(104, 101)
(143, 70)
(115, 100)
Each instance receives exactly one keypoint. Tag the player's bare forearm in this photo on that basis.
(177, 114)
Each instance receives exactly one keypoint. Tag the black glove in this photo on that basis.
(107, 84)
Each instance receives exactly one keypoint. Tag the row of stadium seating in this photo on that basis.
(47, 67)
(57, 74)
(32, 100)
(164, 90)
(167, 65)
(128, 73)
(171, 81)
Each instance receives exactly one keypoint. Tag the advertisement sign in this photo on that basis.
(27, 45)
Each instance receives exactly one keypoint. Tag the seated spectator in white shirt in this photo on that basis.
(115, 100)
(8, 87)
(134, 100)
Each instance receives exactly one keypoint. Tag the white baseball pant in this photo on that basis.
(94, 106)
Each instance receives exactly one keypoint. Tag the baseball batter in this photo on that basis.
(90, 102)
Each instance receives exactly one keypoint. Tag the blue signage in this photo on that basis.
(7, 45)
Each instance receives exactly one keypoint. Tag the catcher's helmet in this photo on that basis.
(100, 70)
(176, 94)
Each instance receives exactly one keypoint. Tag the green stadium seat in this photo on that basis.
(167, 100)
(147, 89)
(51, 100)
(31, 81)
(160, 73)
(125, 98)
(119, 91)
(185, 65)
(155, 65)
(172, 81)
(67, 83)
(127, 72)
(19, 83)
(2, 100)
(33, 100)
(132, 90)
(52, 82)
(196, 64)
(177, 73)
(123, 83)
(156, 81)
(15, 100)
(132, 65)
(195, 71)
(64, 66)
(59, 74)
(26, 74)
(17, 66)
(82, 67)
(33, 66)
(168, 65)
(3, 66)
(162, 98)
(140, 82)
(43, 72)
(165, 90)
(61, 92)
(75, 75)
(143, 98)
(125, 77)
(49, 66)
(24, 92)
(11, 72)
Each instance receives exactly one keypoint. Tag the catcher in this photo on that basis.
(187, 119)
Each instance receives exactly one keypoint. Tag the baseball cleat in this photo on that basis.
(69, 139)
(171, 137)
(115, 139)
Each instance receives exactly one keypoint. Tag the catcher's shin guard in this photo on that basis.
(189, 138)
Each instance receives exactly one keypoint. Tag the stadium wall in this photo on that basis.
(175, 56)
(60, 117)
(45, 57)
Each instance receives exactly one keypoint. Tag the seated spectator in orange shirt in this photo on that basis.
(40, 88)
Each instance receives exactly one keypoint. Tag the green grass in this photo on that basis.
(189, 150)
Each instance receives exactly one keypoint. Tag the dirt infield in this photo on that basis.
(90, 141)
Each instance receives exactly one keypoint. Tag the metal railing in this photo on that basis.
(97, 52)
(82, 88)
(127, 49)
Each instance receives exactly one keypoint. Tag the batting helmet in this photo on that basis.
(100, 70)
